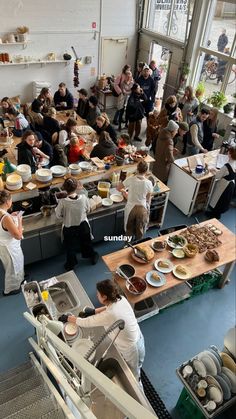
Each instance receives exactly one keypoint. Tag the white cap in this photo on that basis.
(172, 126)
(145, 67)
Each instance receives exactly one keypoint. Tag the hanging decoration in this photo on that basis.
(76, 68)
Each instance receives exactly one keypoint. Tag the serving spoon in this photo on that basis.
(121, 273)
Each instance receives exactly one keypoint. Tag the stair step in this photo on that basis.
(19, 402)
(35, 410)
(8, 374)
(20, 389)
(18, 378)
(54, 414)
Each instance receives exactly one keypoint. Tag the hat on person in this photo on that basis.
(172, 126)
(146, 67)
(184, 126)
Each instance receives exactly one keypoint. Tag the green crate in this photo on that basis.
(205, 282)
(186, 407)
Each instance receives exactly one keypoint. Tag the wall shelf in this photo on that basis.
(24, 44)
(43, 63)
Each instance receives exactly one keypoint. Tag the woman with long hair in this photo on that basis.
(210, 129)
(103, 124)
(130, 341)
(105, 146)
(170, 112)
(188, 104)
(11, 255)
(118, 89)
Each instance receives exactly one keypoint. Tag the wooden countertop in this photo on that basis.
(197, 265)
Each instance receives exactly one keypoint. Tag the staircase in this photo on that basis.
(24, 394)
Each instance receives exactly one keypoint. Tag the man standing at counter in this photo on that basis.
(195, 134)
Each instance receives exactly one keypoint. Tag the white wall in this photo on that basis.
(56, 25)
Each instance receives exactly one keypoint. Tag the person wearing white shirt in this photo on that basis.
(136, 214)
(65, 134)
(130, 341)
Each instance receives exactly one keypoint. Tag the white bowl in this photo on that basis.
(44, 175)
(107, 202)
(58, 171)
(13, 179)
(84, 165)
(116, 197)
(23, 169)
(74, 168)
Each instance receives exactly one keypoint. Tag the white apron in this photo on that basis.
(220, 187)
(12, 258)
(130, 205)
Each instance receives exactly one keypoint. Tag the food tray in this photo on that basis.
(197, 402)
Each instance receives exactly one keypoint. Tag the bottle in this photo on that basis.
(8, 168)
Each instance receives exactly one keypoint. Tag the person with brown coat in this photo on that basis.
(171, 112)
(164, 154)
(152, 129)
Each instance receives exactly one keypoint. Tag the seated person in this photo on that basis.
(26, 153)
(105, 147)
(64, 136)
(103, 124)
(35, 114)
(44, 146)
(20, 122)
(45, 97)
(75, 148)
(6, 104)
(63, 99)
(124, 140)
(93, 111)
(50, 123)
(83, 105)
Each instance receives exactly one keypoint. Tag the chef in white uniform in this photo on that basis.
(136, 215)
(10, 245)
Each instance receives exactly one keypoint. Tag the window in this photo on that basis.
(170, 17)
(216, 62)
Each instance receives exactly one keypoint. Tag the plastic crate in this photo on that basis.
(186, 407)
(205, 282)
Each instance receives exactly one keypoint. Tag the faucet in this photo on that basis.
(118, 323)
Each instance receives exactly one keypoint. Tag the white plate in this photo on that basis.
(58, 171)
(107, 202)
(116, 197)
(74, 168)
(232, 378)
(44, 162)
(200, 368)
(164, 270)
(173, 246)
(153, 282)
(181, 276)
(215, 360)
(208, 362)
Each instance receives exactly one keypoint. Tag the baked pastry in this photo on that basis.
(212, 256)
(180, 270)
(162, 264)
(146, 250)
(155, 276)
(190, 250)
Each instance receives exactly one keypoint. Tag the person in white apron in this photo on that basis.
(224, 189)
(130, 341)
(11, 253)
(136, 215)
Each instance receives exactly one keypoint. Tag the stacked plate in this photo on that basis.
(44, 175)
(24, 170)
(14, 182)
(74, 169)
(58, 171)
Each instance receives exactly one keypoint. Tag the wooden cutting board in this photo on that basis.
(98, 162)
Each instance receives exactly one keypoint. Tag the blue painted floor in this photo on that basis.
(171, 337)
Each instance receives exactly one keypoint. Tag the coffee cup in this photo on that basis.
(210, 406)
(187, 371)
(202, 384)
(199, 168)
(201, 392)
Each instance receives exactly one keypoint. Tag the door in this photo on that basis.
(114, 55)
(162, 56)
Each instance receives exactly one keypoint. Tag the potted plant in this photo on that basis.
(200, 90)
(22, 33)
(184, 74)
(217, 99)
(228, 108)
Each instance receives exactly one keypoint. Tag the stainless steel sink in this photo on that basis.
(63, 297)
(102, 407)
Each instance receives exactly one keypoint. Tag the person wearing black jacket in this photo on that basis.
(25, 150)
(103, 124)
(50, 123)
(105, 147)
(83, 105)
(44, 146)
(63, 99)
(135, 111)
(147, 83)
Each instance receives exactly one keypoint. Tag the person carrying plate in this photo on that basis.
(136, 216)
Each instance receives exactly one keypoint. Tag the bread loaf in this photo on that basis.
(212, 256)
(146, 250)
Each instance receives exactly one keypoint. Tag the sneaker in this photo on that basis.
(138, 139)
(94, 258)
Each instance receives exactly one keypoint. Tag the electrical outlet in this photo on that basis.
(88, 60)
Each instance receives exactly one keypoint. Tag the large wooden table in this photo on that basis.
(197, 265)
